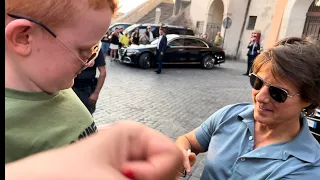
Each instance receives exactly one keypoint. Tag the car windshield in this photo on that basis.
(169, 38)
(132, 27)
(155, 41)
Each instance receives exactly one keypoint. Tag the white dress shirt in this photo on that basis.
(159, 42)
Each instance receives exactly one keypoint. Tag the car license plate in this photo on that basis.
(312, 124)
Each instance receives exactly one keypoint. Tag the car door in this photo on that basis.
(175, 51)
(194, 49)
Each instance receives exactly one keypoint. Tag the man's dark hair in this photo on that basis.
(162, 28)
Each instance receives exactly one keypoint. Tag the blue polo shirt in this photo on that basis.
(228, 137)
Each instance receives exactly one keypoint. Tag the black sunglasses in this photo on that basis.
(94, 50)
(278, 94)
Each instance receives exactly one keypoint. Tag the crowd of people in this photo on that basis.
(50, 134)
(113, 41)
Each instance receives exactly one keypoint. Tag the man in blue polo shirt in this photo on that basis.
(269, 139)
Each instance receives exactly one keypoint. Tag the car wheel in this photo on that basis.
(208, 62)
(145, 61)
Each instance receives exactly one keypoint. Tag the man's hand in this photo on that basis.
(93, 98)
(161, 53)
(188, 162)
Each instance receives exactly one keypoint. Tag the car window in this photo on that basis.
(179, 31)
(176, 42)
(131, 28)
(173, 31)
(194, 43)
(142, 30)
(190, 32)
(155, 31)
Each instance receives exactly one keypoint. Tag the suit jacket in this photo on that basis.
(163, 44)
(255, 51)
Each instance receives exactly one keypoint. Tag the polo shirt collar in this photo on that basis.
(303, 146)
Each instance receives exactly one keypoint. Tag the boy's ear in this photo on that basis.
(18, 36)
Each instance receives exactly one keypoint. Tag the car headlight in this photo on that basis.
(132, 51)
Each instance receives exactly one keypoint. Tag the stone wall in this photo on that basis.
(134, 15)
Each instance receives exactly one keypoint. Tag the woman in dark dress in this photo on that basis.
(135, 37)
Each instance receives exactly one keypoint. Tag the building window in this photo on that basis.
(199, 26)
(252, 22)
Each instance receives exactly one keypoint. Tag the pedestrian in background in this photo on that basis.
(125, 39)
(161, 48)
(105, 44)
(144, 39)
(87, 86)
(218, 39)
(120, 31)
(114, 46)
(135, 37)
(253, 52)
(205, 36)
(150, 34)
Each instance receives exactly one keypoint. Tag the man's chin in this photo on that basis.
(263, 119)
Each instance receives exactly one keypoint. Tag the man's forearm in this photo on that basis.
(183, 143)
(100, 82)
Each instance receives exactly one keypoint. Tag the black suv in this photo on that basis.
(170, 29)
(314, 124)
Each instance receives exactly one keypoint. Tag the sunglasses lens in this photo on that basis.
(92, 57)
(255, 82)
(95, 50)
(278, 94)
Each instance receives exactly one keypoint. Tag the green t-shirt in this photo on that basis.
(38, 121)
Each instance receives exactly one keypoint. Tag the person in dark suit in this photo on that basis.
(161, 48)
(254, 50)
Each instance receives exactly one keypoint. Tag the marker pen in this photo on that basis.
(185, 172)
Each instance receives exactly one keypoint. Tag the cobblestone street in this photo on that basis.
(174, 102)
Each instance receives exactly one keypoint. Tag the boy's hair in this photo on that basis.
(55, 13)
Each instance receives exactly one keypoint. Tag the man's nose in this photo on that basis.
(263, 95)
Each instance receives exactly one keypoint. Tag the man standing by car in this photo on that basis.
(161, 48)
(87, 86)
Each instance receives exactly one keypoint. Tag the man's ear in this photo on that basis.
(306, 104)
(18, 38)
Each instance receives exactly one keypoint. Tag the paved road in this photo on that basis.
(174, 102)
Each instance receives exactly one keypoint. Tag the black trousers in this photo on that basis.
(159, 59)
(84, 93)
(250, 61)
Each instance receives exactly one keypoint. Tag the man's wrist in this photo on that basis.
(96, 92)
